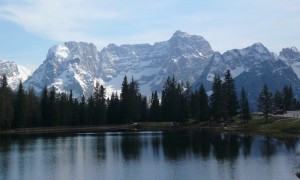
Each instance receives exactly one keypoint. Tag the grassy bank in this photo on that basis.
(276, 125)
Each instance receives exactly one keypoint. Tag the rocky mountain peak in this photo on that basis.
(14, 73)
(290, 53)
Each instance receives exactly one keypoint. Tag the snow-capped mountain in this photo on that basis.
(78, 66)
(71, 66)
(184, 56)
(14, 73)
(252, 67)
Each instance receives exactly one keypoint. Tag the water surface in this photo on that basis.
(149, 155)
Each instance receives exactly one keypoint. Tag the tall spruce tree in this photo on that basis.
(278, 102)
(99, 96)
(288, 97)
(124, 98)
(265, 102)
(232, 102)
(218, 100)
(245, 114)
(6, 107)
(203, 111)
(45, 112)
(155, 112)
(20, 108)
(170, 100)
(113, 109)
(33, 109)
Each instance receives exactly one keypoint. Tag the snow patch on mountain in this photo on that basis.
(14, 73)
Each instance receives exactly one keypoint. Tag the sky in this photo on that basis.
(28, 28)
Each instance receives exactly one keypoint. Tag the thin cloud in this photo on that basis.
(225, 23)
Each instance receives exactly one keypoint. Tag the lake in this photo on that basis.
(149, 155)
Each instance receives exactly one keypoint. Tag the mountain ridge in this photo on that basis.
(77, 66)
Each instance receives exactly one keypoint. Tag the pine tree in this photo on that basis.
(170, 100)
(45, 113)
(203, 111)
(113, 109)
(245, 108)
(288, 97)
(232, 102)
(99, 97)
(155, 112)
(278, 102)
(218, 100)
(124, 98)
(20, 108)
(82, 111)
(53, 109)
(6, 107)
(264, 102)
(33, 109)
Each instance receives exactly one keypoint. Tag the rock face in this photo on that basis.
(71, 66)
(78, 66)
(184, 56)
(253, 67)
(14, 73)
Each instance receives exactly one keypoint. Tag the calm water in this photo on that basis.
(149, 155)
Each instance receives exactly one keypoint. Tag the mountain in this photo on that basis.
(70, 66)
(252, 67)
(184, 56)
(78, 66)
(14, 73)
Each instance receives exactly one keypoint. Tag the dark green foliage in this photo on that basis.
(288, 96)
(218, 100)
(232, 102)
(99, 97)
(6, 107)
(245, 114)
(155, 111)
(173, 103)
(113, 109)
(20, 106)
(203, 111)
(278, 100)
(265, 102)
(199, 108)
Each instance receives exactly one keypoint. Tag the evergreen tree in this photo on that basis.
(33, 109)
(134, 99)
(155, 114)
(170, 100)
(144, 109)
(20, 108)
(232, 102)
(173, 103)
(203, 111)
(264, 102)
(45, 113)
(53, 120)
(6, 107)
(278, 102)
(82, 111)
(124, 98)
(245, 108)
(288, 97)
(99, 97)
(113, 109)
(218, 100)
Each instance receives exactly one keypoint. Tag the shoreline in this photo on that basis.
(279, 126)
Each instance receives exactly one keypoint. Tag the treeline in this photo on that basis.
(177, 103)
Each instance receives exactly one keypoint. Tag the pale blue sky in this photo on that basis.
(28, 28)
